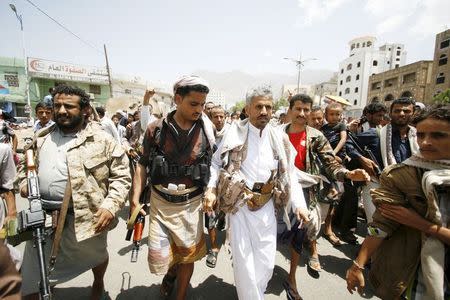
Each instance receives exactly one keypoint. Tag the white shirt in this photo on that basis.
(258, 165)
(146, 117)
(110, 128)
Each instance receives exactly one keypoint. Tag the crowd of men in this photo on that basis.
(262, 179)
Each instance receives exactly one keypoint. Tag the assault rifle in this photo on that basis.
(33, 219)
(366, 152)
(136, 223)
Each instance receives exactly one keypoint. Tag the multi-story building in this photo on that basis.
(410, 80)
(292, 88)
(322, 89)
(365, 60)
(440, 78)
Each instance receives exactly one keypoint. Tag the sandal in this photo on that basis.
(211, 259)
(314, 267)
(333, 239)
(291, 293)
(167, 285)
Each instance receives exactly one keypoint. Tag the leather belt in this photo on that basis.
(178, 198)
(260, 198)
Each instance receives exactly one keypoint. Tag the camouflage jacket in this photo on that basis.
(99, 174)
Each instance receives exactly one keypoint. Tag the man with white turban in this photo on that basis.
(177, 151)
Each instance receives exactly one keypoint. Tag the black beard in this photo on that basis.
(73, 122)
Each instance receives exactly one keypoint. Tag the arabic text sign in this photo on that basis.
(59, 70)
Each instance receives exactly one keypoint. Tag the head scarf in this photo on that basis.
(189, 80)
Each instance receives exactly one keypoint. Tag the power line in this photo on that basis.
(64, 27)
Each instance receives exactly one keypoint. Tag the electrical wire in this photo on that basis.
(64, 27)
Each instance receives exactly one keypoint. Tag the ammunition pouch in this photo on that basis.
(161, 170)
(259, 199)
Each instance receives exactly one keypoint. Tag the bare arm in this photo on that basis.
(139, 180)
(343, 135)
(14, 143)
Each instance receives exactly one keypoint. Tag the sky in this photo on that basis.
(161, 40)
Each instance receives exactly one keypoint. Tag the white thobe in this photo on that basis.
(110, 128)
(253, 234)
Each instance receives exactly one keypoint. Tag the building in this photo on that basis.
(13, 86)
(324, 88)
(411, 80)
(45, 74)
(365, 60)
(440, 78)
(292, 88)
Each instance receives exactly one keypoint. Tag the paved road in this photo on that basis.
(125, 280)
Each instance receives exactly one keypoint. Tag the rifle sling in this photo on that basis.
(60, 226)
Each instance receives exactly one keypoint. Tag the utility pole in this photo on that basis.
(109, 72)
(27, 82)
(300, 63)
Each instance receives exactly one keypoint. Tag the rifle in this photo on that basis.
(34, 219)
(136, 223)
(366, 152)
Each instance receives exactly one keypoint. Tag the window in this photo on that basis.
(340, 93)
(127, 91)
(375, 99)
(443, 60)
(12, 79)
(407, 94)
(409, 78)
(440, 78)
(397, 65)
(358, 64)
(348, 79)
(347, 91)
(95, 89)
(357, 45)
(399, 48)
(398, 52)
(355, 102)
(369, 43)
(349, 67)
(340, 83)
(376, 85)
(357, 77)
(342, 71)
(389, 97)
(397, 59)
(391, 82)
(388, 62)
(364, 44)
(445, 44)
(375, 63)
(352, 47)
(356, 89)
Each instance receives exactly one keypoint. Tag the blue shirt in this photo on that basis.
(400, 147)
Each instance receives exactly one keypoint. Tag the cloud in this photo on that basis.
(315, 11)
(418, 17)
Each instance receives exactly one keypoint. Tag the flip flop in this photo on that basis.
(312, 269)
(290, 292)
(333, 239)
(211, 259)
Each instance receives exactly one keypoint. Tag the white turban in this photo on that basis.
(189, 80)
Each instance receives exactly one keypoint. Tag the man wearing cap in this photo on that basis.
(252, 175)
(176, 150)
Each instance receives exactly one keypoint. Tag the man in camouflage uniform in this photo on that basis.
(99, 175)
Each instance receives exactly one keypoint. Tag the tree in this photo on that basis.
(281, 103)
(239, 106)
(443, 97)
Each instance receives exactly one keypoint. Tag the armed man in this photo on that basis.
(81, 168)
(177, 154)
(252, 175)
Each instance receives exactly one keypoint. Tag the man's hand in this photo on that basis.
(209, 200)
(132, 153)
(133, 205)
(104, 219)
(358, 175)
(302, 214)
(353, 125)
(355, 280)
(368, 165)
(147, 96)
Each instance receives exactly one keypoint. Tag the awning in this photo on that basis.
(338, 99)
(13, 98)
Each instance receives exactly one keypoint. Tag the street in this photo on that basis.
(125, 280)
